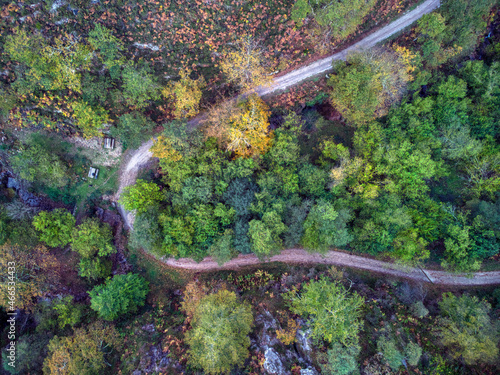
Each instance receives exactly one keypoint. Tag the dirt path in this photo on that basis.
(324, 65)
(299, 256)
(140, 157)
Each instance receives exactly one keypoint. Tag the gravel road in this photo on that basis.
(140, 157)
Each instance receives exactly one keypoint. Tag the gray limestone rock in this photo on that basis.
(272, 363)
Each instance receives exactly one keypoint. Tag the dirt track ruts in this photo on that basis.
(140, 157)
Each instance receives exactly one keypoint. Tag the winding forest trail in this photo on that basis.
(140, 157)
(338, 258)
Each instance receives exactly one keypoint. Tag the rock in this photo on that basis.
(148, 328)
(272, 363)
(12, 183)
(29, 198)
(266, 324)
(56, 5)
(304, 344)
(308, 371)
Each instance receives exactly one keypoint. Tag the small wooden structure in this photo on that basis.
(93, 172)
(109, 143)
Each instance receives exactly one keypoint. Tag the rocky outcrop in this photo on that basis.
(273, 364)
(279, 358)
(303, 344)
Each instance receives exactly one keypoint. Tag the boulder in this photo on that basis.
(272, 363)
(12, 183)
(308, 371)
(304, 344)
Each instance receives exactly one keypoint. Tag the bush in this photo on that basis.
(120, 295)
(390, 352)
(340, 360)
(418, 310)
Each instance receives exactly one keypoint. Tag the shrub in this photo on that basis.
(339, 360)
(418, 310)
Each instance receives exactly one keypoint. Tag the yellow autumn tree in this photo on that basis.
(185, 94)
(245, 66)
(87, 351)
(247, 133)
(164, 148)
(34, 274)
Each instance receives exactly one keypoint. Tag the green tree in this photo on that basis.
(333, 314)
(458, 245)
(34, 162)
(367, 83)
(395, 357)
(218, 340)
(54, 66)
(120, 295)
(147, 232)
(92, 238)
(265, 234)
(139, 86)
(54, 227)
(466, 21)
(109, 47)
(141, 196)
(132, 129)
(467, 330)
(222, 250)
(94, 268)
(325, 227)
(90, 120)
(69, 312)
(30, 353)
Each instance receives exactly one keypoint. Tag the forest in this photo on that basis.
(392, 155)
